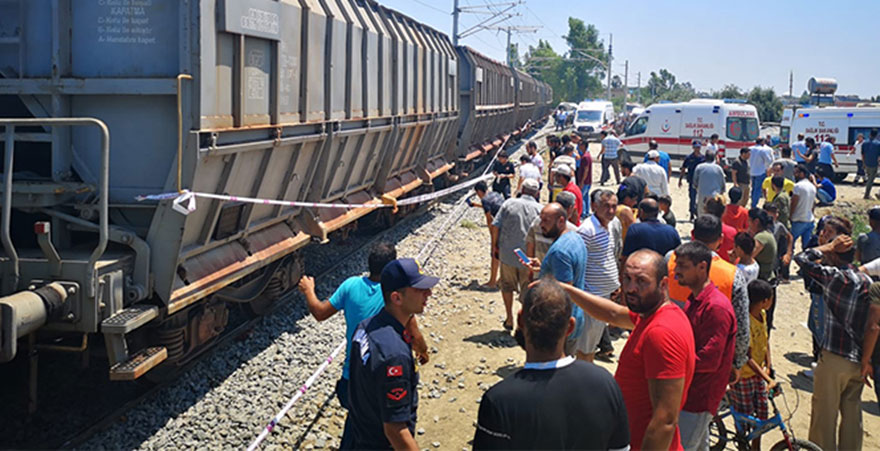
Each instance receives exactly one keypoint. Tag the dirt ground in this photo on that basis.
(471, 350)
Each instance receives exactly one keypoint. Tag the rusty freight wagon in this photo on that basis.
(340, 101)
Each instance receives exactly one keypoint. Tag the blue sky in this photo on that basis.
(708, 43)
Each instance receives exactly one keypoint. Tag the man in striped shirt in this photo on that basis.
(602, 235)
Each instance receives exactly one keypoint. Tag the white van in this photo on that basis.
(592, 117)
(675, 125)
(844, 123)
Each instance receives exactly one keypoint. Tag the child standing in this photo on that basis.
(665, 203)
(743, 246)
(750, 394)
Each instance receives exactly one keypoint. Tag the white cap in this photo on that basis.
(563, 169)
(653, 154)
(531, 186)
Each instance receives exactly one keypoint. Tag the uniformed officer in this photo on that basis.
(383, 373)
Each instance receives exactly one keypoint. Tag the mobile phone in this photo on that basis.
(522, 255)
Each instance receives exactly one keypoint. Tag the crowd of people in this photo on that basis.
(590, 265)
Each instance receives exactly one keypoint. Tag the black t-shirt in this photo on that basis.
(502, 169)
(383, 381)
(742, 171)
(635, 185)
(577, 406)
(492, 203)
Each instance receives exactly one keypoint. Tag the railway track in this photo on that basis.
(117, 412)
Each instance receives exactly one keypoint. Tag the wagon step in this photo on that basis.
(139, 363)
(129, 319)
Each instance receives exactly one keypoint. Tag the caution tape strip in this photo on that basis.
(184, 202)
(301, 391)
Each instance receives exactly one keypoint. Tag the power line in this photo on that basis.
(428, 5)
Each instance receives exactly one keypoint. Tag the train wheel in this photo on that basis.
(284, 279)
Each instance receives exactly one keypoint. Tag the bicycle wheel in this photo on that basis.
(797, 444)
(717, 434)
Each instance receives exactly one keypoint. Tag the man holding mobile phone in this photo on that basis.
(566, 260)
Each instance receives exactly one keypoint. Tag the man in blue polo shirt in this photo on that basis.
(650, 233)
(384, 377)
(566, 259)
(664, 157)
(358, 298)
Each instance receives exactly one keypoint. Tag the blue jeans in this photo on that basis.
(757, 181)
(585, 192)
(823, 196)
(802, 230)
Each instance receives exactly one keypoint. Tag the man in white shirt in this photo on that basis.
(527, 170)
(803, 197)
(653, 173)
(713, 144)
(609, 157)
(759, 162)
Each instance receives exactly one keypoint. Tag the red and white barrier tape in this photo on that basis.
(301, 391)
(185, 202)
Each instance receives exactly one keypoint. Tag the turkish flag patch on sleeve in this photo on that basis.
(394, 371)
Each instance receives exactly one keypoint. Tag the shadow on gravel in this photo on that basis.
(311, 425)
(507, 370)
(799, 358)
(475, 285)
(801, 382)
(496, 338)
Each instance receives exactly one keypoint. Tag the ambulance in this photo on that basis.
(843, 123)
(592, 117)
(675, 125)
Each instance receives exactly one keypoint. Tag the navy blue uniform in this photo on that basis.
(383, 381)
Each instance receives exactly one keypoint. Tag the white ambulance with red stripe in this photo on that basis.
(843, 123)
(675, 125)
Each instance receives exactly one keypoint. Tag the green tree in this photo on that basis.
(545, 64)
(769, 105)
(513, 54)
(580, 73)
(730, 91)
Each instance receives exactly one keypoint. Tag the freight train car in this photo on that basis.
(340, 101)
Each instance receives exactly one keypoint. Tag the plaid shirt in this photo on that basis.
(845, 291)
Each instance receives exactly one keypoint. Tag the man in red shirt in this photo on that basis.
(715, 207)
(564, 177)
(735, 215)
(714, 325)
(657, 364)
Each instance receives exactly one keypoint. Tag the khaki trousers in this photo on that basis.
(744, 201)
(837, 387)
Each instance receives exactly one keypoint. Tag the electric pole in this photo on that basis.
(790, 85)
(639, 84)
(625, 83)
(455, 12)
(608, 68)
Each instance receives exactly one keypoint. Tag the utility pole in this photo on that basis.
(509, 59)
(790, 84)
(625, 83)
(639, 88)
(455, 13)
(608, 68)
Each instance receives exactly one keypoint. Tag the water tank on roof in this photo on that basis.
(826, 86)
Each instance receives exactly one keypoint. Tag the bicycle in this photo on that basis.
(749, 428)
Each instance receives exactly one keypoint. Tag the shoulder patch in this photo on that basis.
(394, 371)
(360, 336)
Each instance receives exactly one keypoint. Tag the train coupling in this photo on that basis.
(25, 312)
